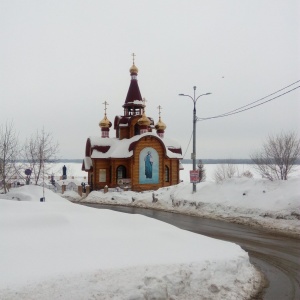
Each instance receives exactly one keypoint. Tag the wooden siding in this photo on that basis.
(132, 166)
(155, 143)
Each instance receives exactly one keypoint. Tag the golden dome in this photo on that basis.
(133, 69)
(105, 123)
(160, 125)
(144, 120)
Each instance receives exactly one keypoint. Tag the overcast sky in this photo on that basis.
(60, 60)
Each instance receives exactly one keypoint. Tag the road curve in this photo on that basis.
(278, 257)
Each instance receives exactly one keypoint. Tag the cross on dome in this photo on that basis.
(105, 108)
(133, 70)
(105, 124)
(133, 55)
(160, 125)
(159, 110)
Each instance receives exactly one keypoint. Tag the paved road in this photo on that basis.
(278, 257)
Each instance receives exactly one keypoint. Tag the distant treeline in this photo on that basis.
(185, 161)
(220, 161)
(70, 160)
(226, 161)
(190, 161)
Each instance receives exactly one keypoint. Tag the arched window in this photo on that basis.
(167, 174)
(121, 172)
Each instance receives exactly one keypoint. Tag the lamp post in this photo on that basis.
(194, 99)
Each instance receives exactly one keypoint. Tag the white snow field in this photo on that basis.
(61, 250)
(258, 202)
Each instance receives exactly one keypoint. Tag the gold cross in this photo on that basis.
(105, 104)
(159, 109)
(133, 55)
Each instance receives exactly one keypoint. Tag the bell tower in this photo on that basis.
(134, 120)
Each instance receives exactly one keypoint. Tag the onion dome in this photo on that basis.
(144, 121)
(105, 123)
(133, 70)
(160, 125)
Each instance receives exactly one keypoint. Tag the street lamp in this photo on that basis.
(194, 99)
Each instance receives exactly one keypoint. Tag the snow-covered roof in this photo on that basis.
(113, 147)
(140, 102)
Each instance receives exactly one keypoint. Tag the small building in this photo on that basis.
(139, 157)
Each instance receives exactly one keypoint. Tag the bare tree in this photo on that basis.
(277, 158)
(39, 152)
(201, 169)
(8, 154)
(225, 171)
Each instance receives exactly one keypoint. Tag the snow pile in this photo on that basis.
(72, 196)
(60, 250)
(256, 202)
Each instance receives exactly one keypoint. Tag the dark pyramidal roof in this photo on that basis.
(133, 93)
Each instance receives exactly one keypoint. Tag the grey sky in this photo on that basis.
(60, 60)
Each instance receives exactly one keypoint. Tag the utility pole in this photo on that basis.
(194, 99)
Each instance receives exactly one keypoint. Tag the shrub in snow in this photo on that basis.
(247, 174)
(278, 156)
(225, 171)
(201, 169)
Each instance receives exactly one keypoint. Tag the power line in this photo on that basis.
(265, 97)
(188, 145)
(240, 109)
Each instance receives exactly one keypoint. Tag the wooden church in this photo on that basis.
(139, 157)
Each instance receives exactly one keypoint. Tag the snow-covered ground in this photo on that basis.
(253, 201)
(60, 250)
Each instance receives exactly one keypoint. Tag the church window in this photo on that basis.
(121, 172)
(102, 175)
(167, 174)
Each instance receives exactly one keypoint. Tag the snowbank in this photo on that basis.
(57, 249)
(256, 202)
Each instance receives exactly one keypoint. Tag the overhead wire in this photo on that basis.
(243, 108)
(188, 145)
(240, 109)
